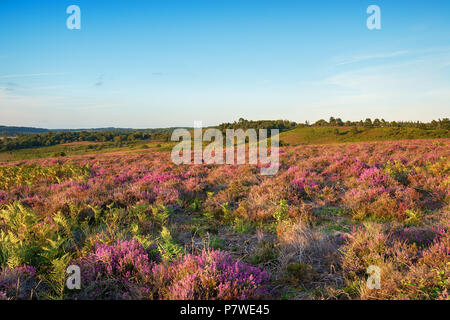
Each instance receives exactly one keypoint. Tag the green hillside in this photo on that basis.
(323, 135)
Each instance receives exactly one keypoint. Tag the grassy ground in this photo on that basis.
(324, 135)
(80, 148)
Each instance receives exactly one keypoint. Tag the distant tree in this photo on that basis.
(321, 123)
(332, 121)
(421, 125)
(368, 123)
(118, 140)
(444, 124)
(377, 123)
(131, 137)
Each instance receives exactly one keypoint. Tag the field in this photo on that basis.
(141, 227)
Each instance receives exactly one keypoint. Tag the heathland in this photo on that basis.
(346, 197)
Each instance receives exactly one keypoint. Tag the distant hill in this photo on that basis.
(14, 131)
(16, 138)
(7, 131)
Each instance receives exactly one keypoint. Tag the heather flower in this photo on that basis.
(420, 236)
(123, 178)
(18, 283)
(303, 181)
(374, 177)
(126, 261)
(211, 275)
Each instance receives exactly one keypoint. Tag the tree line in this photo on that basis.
(380, 123)
(284, 125)
(54, 138)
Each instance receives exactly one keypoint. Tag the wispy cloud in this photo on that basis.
(99, 82)
(361, 58)
(388, 55)
(52, 110)
(11, 86)
(29, 75)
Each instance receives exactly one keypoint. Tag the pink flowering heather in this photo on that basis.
(394, 194)
(10, 278)
(373, 177)
(419, 236)
(303, 181)
(211, 275)
(125, 261)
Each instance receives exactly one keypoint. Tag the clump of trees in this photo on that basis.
(282, 125)
(381, 123)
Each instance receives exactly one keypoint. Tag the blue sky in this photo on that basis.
(168, 63)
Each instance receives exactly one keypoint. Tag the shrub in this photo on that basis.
(407, 271)
(19, 283)
(168, 248)
(113, 271)
(22, 240)
(299, 272)
(397, 170)
(264, 253)
(282, 212)
(210, 275)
